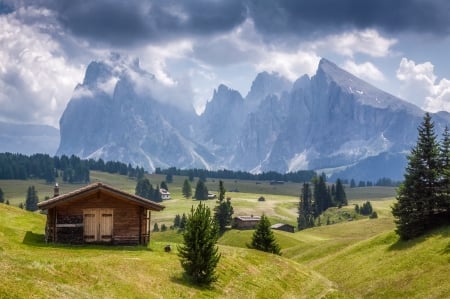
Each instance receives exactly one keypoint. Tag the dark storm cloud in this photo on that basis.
(126, 23)
(312, 18)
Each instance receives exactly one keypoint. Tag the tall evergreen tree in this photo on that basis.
(2, 196)
(305, 209)
(164, 185)
(340, 196)
(443, 203)
(201, 192)
(417, 196)
(144, 188)
(322, 197)
(199, 254)
(263, 238)
(31, 200)
(223, 212)
(187, 189)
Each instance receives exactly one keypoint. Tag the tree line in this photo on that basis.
(296, 177)
(14, 166)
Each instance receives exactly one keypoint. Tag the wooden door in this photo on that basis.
(98, 225)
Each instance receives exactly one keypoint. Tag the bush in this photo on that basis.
(374, 215)
(261, 198)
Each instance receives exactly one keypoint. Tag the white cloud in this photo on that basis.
(290, 65)
(368, 42)
(36, 80)
(420, 86)
(366, 70)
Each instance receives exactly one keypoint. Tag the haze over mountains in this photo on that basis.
(332, 122)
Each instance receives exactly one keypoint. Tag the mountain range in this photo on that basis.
(332, 122)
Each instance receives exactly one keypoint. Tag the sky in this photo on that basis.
(191, 46)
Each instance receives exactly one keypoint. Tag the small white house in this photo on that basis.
(164, 194)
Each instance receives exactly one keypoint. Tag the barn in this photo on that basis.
(284, 227)
(246, 222)
(99, 214)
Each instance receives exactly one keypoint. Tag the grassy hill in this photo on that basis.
(362, 258)
(31, 268)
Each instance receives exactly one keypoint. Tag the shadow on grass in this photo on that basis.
(38, 240)
(184, 280)
(406, 244)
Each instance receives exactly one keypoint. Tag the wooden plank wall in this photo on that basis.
(129, 219)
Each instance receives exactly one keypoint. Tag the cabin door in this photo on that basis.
(98, 225)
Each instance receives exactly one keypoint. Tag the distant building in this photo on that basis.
(164, 194)
(284, 227)
(246, 222)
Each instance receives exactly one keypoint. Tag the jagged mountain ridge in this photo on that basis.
(332, 122)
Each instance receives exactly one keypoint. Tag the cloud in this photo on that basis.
(420, 85)
(126, 24)
(368, 42)
(312, 19)
(366, 70)
(36, 80)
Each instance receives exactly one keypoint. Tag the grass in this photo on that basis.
(30, 267)
(362, 258)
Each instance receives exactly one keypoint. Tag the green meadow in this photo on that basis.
(357, 258)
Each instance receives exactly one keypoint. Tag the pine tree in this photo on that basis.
(144, 188)
(32, 199)
(2, 196)
(443, 203)
(340, 197)
(305, 209)
(156, 227)
(201, 192)
(223, 212)
(183, 221)
(187, 190)
(199, 254)
(263, 238)
(177, 220)
(322, 197)
(164, 185)
(418, 194)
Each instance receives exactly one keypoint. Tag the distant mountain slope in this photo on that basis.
(330, 122)
(28, 139)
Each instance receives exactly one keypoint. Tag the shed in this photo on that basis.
(284, 227)
(98, 213)
(246, 222)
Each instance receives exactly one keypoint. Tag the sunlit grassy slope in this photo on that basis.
(30, 268)
(362, 258)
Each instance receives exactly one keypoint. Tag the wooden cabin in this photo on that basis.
(98, 213)
(246, 222)
(284, 227)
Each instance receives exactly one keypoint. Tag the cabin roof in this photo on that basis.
(248, 218)
(99, 187)
(278, 225)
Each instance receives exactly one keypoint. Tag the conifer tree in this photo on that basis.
(144, 188)
(305, 209)
(443, 202)
(156, 227)
(223, 212)
(263, 238)
(199, 254)
(340, 197)
(201, 192)
(2, 196)
(417, 196)
(186, 190)
(177, 220)
(32, 199)
(183, 221)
